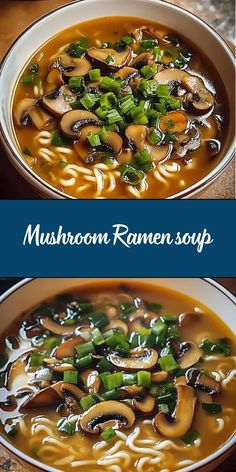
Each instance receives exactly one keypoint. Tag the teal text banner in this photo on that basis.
(116, 238)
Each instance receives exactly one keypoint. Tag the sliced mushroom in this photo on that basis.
(54, 80)
(47, 397)
(100, 414)
(145, 406)
(140, 359)
(182, 419)
(27, 110)
(190, 354)
(57, 366)
(142, 60)
(151, 33)
(112, 144)
(118, 59)
(67, 349)
(137, 136)
(129, 391)
(74, 66)
(174, 122)
(60, 101)
(202, 99)
(57, 328)
(188, 317)
(9, 403)
(204, 397)
(73, 389)
(167, 76)
(126, 74)
(74, 120)
(91, 380)
(118, 325)
(213, 146)
(201, 381)
(158, 377)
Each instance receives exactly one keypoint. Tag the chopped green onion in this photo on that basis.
(143, 159)
(97, 337)
(75, 82)
(109, 59)
(108, 434)
(76, 50)
(111, 395)
(130, 175)
(148, 44)
(110, 84)
(168, 318)
(190, 437)
(89, 100)
(85, 361)
(84, 42)
(94, 75)
(62, 164)
(103, 134)
(168, 363)
(57, 140)
(148, 71)
(27, 151)
(127, 105)
(155, 307)
(163, 91)
(51, 343)
(179, 62)
(127, 309)
(94, 140)
(154, 137)
(98, 319)
(84, 349)
(101, 112)
(27, 79)
(88, 401)
(212, 407)
(144, 378)
(157, 54)
(170, 138)
(112, 381)
(113, 116)
(108, 100)
(163, 408)
(127, 40)
(104, 365)
(70, 376)
(139, 116)
(218, 347)
(34, 68)
(168, 53)
(148, 88)
(36, 359)
(129, 379)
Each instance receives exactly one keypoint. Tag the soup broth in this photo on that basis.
(122, 377)
(120, 108)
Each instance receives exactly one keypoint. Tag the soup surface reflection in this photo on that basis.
(115, 378)
(120, 108)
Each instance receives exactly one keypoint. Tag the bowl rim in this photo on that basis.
(42, 186)
(226, 448)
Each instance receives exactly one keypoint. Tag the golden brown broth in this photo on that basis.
(169, 183)
(80, 446)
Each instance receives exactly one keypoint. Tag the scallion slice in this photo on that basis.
(167, 363)
(70, 376)
(84, 349)
(144, 378)
(94, 75)
(108, 434)
(212, 408)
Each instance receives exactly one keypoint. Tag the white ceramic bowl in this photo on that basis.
(52, 23)
(29, 292)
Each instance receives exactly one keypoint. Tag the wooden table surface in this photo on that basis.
(17, 15)
(8, 465)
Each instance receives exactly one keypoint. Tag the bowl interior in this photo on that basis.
(167, 14)
(32, 291)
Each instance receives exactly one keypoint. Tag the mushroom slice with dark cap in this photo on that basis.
(188, 317)
(213, 146)
(117, 325)
(169, 75)
(126, 74)
(72, 121)
(174, 122)
(56, 366)
(142, 60)
(94, 419)
(28, 111)
(84, 331)
(46, 397)
(198, 379)
(129, 391)
(60, 101)
(74, 66)
(67, 348)
(57, 328)
(140, 359)
(54, 80)
(158, 377)
(190, 141)
(112, 143)
(137, 136)
(144, 406)
(182, 418)
(189, 355)
(151, 33)
(200, 99)
(75, 391)
(117, 59)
